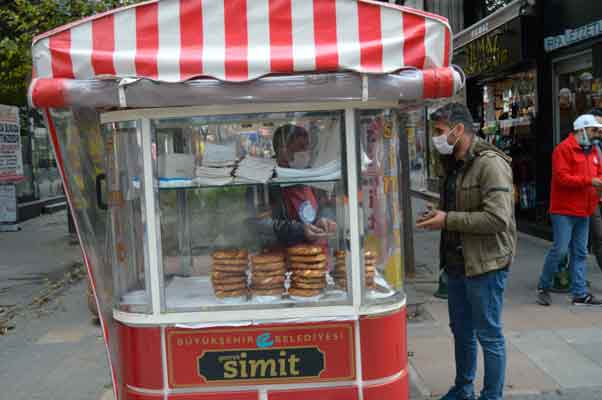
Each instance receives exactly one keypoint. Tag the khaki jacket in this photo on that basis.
(485, 209)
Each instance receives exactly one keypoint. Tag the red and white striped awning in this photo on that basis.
(240, 40)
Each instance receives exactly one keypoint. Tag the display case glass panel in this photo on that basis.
(126, 206)
(81, 151)
(380, 204)
(415, 131)
(252, 210)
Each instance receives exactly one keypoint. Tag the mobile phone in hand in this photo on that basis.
(426, 215)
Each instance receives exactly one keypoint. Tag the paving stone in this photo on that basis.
(581, 336)
(592, 351)
(557, 358)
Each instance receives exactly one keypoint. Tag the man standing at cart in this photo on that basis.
(295, 209)
(478, 240)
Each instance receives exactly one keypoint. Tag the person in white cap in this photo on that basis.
(576, 186)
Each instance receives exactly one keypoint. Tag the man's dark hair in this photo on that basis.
(285, 133)
(453, 114)
(596, 112)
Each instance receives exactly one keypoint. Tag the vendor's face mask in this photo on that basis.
(301, 160)
(442, 145)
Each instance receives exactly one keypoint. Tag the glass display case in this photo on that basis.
(252, 210)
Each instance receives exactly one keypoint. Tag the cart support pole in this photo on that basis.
(406, 206)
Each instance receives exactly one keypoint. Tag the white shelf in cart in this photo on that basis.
(196, 292)
(186, 183)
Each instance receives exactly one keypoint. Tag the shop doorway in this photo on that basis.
(575, 92)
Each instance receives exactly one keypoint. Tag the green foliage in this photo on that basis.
(20, 22)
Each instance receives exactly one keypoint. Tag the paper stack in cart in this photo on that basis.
(255, 169)
(213, 176)
(219, 155)
(217, 166)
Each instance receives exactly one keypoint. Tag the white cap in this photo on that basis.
(586, 121)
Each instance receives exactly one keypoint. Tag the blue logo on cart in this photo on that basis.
(264, 340)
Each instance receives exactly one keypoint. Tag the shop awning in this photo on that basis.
(241, 40)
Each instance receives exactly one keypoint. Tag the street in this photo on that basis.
(52, 349)
(554, 353)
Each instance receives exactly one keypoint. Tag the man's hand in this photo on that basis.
(327, 225)
(597, 183)
(312, 232)
(436, 222)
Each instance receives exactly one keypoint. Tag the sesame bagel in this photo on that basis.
(304, 250)
(304, 285)
(222, 274)
(308, 259)
(230, 261)
(269, 266)
(267, 258)
(230, 268)
(266, 274)
(270, 280)
(309, 273)
(230, 254)
(317, 266)
(228, 279)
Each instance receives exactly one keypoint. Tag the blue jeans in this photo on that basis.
(570, 237)
(475, 313)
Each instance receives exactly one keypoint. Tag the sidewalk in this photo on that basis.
(550, 349)
(40, 252)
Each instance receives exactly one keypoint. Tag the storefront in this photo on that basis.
(573, 46)
(498, 55)
(569, 50)
(41, 189)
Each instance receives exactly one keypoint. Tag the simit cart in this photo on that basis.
(238, 174)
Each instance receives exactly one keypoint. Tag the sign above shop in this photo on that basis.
(499, 18)
(479, 30)
(572, 36)
(493, 52)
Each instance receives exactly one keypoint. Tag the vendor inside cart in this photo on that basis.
(295, 209)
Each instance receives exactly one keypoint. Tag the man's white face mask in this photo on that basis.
(441, 144)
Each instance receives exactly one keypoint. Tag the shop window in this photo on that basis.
(577, 92)
(509, 110)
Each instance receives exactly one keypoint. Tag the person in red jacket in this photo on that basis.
(576, 186)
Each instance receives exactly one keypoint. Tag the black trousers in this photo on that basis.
(595, 229)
